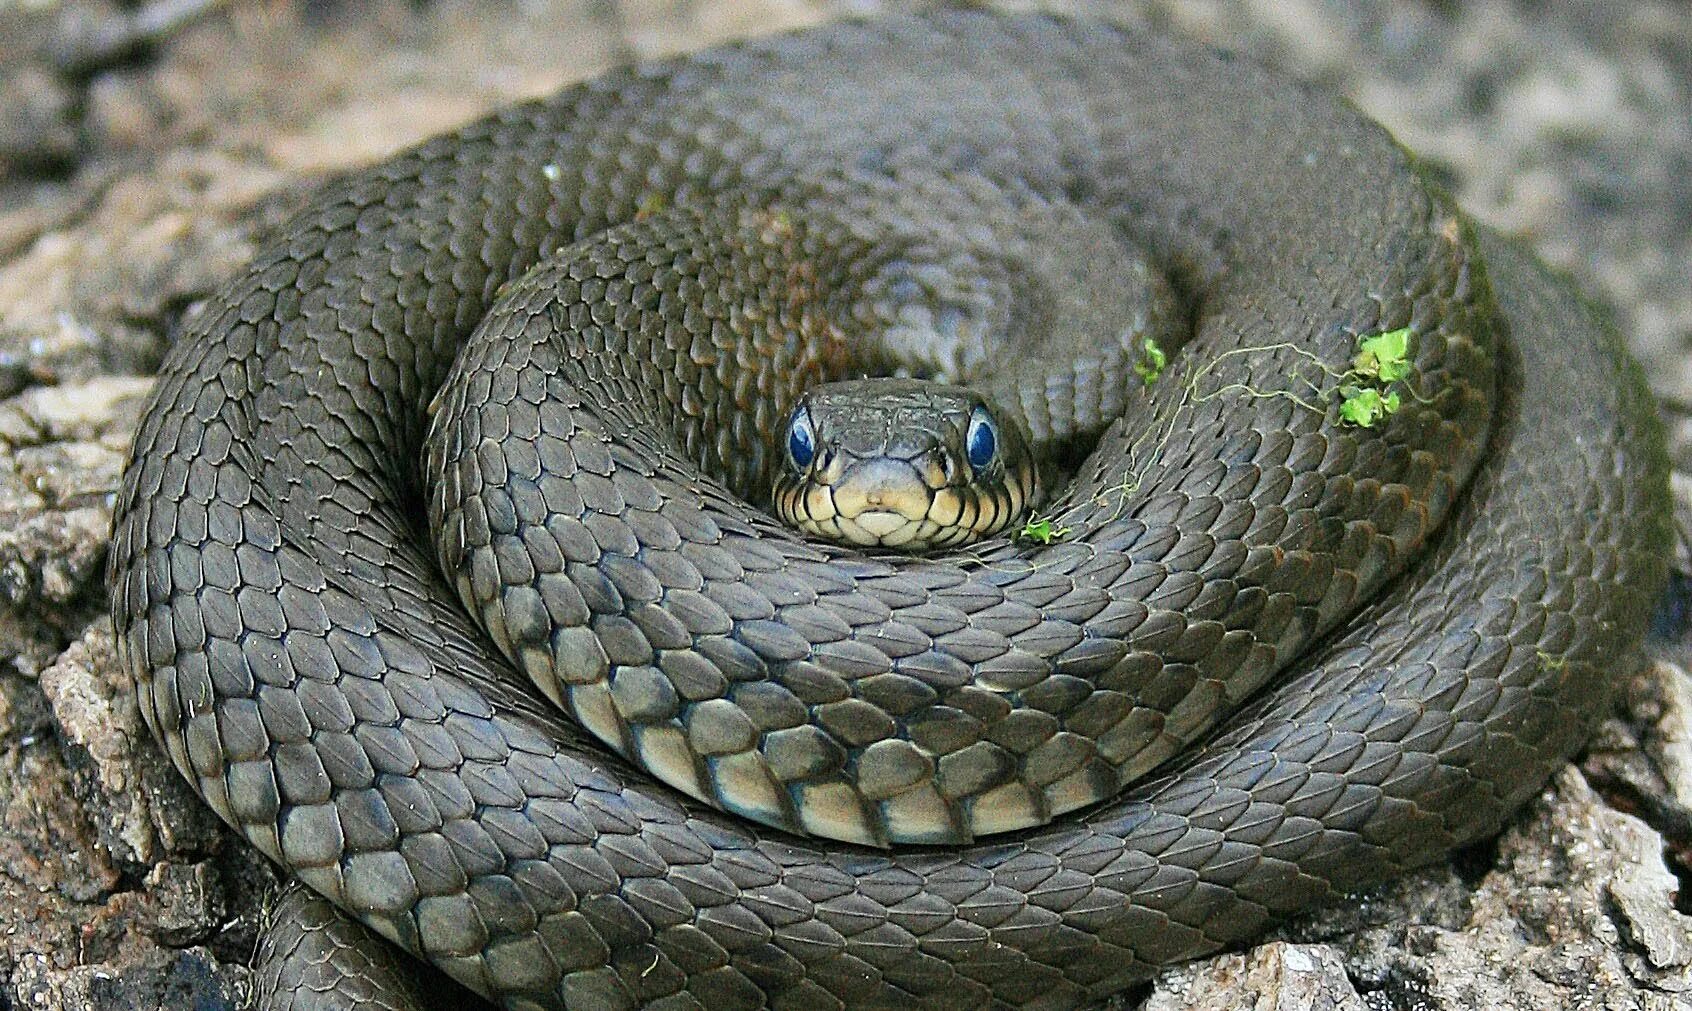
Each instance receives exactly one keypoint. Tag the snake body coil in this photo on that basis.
(659, 263)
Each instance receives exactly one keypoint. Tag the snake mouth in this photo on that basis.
(879, 502)
(879, 522)
(883, 528)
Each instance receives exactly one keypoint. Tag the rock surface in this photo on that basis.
(144, 146)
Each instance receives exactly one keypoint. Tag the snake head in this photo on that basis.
(900, 463)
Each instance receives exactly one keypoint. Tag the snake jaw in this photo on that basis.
(880, 523)
(878, 502)
(883, 502)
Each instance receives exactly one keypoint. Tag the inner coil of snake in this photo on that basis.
(656, 265)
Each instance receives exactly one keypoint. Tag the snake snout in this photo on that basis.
(881, 501)
(878, 501)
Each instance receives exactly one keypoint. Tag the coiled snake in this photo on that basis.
(1435, 603)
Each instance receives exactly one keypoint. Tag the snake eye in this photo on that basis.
(981, 441)
(801, 439)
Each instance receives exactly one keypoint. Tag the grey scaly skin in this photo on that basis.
(690, 226)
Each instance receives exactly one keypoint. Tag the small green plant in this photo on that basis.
(1381, 360)
(1385, 356)
(1043, 530)
(1151, 362)
(1364, 406)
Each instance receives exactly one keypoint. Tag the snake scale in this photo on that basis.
(1433, 606)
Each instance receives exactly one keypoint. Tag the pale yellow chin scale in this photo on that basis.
(872, 528)
(950, 520)
(879, 523)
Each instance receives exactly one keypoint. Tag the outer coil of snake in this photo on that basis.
(1433, 607)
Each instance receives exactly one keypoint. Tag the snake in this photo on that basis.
(439, 567)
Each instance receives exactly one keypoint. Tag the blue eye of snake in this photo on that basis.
(981, 441)
(801, 441)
